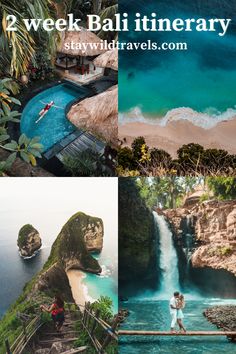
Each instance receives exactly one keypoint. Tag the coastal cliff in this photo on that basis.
(212, 225)
(28, 241)
(136, 236)
(81, 235)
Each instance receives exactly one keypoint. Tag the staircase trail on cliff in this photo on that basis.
(38, 337)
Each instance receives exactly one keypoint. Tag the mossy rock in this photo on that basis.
(23, 235)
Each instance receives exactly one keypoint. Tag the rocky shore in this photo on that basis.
(223, 317)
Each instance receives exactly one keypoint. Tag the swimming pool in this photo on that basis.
(54, 126)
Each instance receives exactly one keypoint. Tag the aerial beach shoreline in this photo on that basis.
(177, 133)
(77, 287)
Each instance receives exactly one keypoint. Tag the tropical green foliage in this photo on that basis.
(192, 160)
(27, 149)
(104, 306)
(224, 188)
(166, 192)
(86, 163)
(20, 46)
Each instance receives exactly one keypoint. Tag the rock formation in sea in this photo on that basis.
(28, 241)
(137, 260)
(213, 227)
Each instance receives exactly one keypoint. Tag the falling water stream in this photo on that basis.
(168, 257)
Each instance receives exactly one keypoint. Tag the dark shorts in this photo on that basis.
(59, 317)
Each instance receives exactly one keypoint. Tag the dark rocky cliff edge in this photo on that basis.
(137, 259)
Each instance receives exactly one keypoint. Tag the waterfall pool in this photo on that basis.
(154, 315)
(54, 126)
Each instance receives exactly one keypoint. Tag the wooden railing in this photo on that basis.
(100, 332)
(29, 328)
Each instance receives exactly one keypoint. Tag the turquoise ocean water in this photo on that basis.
(152, 83)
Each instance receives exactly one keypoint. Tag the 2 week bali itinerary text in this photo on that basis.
(141, 22)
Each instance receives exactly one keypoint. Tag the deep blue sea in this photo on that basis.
(152, 83)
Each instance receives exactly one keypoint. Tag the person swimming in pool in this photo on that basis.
(45, 110)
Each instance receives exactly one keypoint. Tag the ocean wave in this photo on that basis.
(105, 273)
(207, 119)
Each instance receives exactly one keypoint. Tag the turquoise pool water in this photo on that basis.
(54, 126)
(155, 315)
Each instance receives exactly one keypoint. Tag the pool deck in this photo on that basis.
(74, 144)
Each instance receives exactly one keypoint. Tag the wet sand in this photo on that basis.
(76, 282)
(177, 133)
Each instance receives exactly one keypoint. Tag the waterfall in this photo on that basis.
(168, 262)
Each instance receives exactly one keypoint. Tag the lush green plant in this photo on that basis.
(136, 146)
(125, 158)
(192, 160)
(86, 163)
(19, 46)
(104, 305)
(27, 149)
(224, 188)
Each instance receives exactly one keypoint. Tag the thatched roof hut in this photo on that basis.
(108, 59)
(98, 114)
(77, 38)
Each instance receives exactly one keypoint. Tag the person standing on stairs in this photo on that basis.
(57, 312)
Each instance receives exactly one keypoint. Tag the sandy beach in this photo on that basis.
(177, 133)
(76, 282)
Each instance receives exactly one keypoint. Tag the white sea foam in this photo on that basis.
(105, 273)
(207, 119)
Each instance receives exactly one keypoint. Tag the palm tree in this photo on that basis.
(19, 46)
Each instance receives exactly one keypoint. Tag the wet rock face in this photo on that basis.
(80, 236)
(28, 241)
(214, 227)
(137, 261)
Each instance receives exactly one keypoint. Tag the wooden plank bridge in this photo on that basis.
(34, 334)
(168, 333)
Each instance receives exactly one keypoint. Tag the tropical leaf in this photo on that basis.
(4, 138)
(24, 156)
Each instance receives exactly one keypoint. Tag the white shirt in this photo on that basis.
(173, 303)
